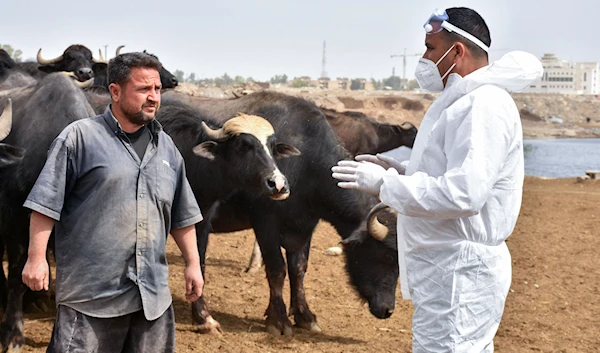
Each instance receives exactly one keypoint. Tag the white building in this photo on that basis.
(565, 77)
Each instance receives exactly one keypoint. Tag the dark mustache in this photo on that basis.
(145, 105)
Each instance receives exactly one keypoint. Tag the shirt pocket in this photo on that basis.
(167, 182)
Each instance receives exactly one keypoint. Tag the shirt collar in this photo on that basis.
(154, 126)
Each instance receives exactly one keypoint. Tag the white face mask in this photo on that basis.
(428, 76)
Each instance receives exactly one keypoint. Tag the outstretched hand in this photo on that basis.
(384, 161)
(363, 176)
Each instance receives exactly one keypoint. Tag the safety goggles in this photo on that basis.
(439, 20)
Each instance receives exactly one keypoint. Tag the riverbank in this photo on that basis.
(394, 107)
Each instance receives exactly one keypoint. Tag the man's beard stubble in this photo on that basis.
(139, 117)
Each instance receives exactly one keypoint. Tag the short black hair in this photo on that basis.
(471, 22)
(119, 67)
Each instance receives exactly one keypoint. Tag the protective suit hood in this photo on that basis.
(514, 72)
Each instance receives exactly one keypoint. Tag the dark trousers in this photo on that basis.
(75, 332)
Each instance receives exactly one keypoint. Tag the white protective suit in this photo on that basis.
(457, 204)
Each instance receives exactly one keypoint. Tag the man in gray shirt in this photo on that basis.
(113, 187)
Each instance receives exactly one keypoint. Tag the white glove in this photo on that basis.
(386, 162)
(363, 176)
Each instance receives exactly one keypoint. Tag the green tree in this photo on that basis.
(191, 78)
(250, 79)
(377, 84)
(239, 80)
(14, 54)
(299, 83)
(394, 82)
(179, 74)
(227, 80)
(279, 79)
(355, 85)
(412, 84)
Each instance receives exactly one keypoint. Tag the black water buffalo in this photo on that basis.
(39, 115)
(289, 223)
(11, 74)
(167, 79)
(360, 134)
(76, 59)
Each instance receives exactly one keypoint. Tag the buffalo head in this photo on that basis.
(167, 79)
(372, 260)
(245, 149)
(6, 63)
(76, 59)
(394, 136)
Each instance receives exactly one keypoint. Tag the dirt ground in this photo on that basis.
(552, 305)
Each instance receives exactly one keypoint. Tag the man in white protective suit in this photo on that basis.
(459, 195)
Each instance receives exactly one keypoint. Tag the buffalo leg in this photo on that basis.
(11, 328)
(200, 314)
(297, 265)
(276, 314)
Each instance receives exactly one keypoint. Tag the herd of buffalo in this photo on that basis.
(39, 99)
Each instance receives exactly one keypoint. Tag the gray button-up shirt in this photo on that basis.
(114, 213)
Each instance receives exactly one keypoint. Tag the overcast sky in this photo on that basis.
(263, 38)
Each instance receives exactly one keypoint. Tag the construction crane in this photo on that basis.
(404, 62)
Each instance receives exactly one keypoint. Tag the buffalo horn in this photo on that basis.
(374, 227)
(43, 61)
(6, 120)
(82, 85)
(119, 49)
(100, 59)
(215, 135)
(407, 125)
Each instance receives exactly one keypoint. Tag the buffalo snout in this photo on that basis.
(84, 74)
(381, 311)
(278, 187)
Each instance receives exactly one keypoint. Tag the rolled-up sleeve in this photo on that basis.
(48, 194)
(185, 210)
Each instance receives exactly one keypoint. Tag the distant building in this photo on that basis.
(566, 77)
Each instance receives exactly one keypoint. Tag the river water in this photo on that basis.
(561, 158)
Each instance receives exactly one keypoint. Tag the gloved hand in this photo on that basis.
(382, 160)
(363, 176)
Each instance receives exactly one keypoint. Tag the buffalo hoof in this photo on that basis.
(253, 269)
(211, 327)
(274, 330)
(12, 340)
(311, 326)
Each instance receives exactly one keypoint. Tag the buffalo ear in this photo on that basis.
(10, 155)
(283, 150)
(206, 150)
(357, 237)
